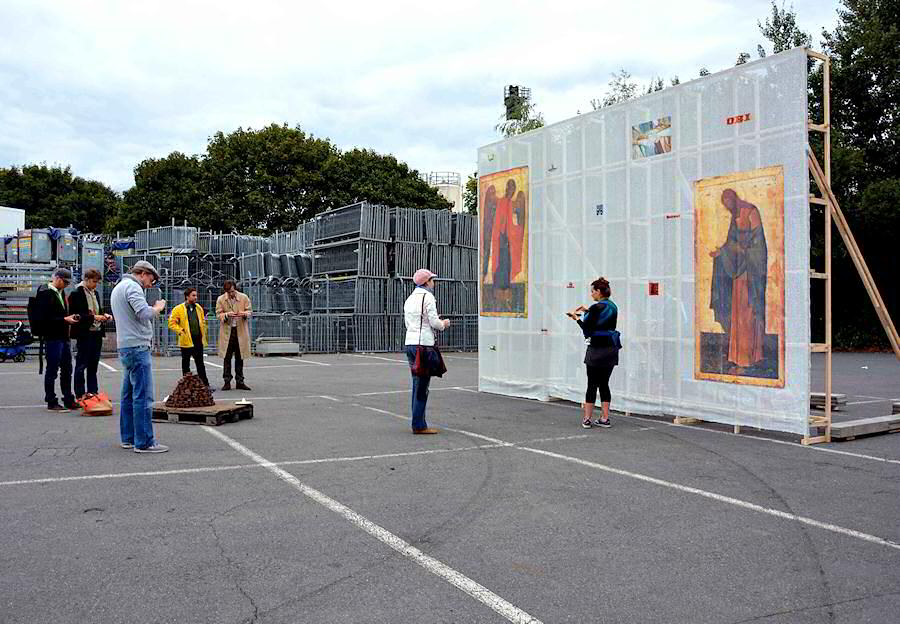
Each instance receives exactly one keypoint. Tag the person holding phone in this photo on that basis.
(233, 309)
(56, 321)
(88, 333)
(134, 335)
(598, 325)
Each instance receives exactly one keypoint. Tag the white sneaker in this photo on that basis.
(126, 445)
(156, 448)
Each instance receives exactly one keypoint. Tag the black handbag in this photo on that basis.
(428, 362)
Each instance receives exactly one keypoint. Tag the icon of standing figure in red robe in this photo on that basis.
(738, 292)
(506, 242)
(503, 211)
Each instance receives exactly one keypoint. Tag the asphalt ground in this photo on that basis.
(325, 508)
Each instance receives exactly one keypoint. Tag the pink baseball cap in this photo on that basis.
(422, 275)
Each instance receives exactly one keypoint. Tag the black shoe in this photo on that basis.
(227, 386)
(243, 386)
(56, 407)
(602, 423)
(72, 405)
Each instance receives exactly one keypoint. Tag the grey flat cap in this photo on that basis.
(143, 265)
(62, 273)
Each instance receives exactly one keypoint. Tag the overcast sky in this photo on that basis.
(101, 85)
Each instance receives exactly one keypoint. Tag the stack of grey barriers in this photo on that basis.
(363, 259)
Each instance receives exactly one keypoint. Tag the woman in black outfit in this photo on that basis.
(598, 324)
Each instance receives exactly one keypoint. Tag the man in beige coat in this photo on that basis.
(234, 311)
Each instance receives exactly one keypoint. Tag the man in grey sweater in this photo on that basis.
(134, 333)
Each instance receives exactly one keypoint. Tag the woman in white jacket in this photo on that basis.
(421, 317)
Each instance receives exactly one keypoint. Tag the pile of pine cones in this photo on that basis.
(190, 392)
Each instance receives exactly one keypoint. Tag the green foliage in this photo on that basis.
(782, 30)
(865, 98)
(266, 180)
(164, 188)
(523, 118)
(621, 89)
(470, 196)
(366, 175)
(52, 196)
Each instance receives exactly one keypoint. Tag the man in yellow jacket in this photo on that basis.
(189, 322)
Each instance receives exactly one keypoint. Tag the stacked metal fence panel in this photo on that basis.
(440, 260)
(408, 225)
(464, 230)
(409, 257)
(336, 283)
(365, 295)
(167, 237)
(361, 220)
(437, 227)
(360, 257)
(18, 282)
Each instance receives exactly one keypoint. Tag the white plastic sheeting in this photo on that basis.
(646, 234)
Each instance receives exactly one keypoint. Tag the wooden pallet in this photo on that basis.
(214, 415)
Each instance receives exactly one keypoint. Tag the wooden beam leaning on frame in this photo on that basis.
(855, 254)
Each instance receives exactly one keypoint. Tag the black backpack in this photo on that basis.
(36, 325)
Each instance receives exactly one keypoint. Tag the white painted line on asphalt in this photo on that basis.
(290, 359)
(375, 357)
(459, 357)
(655, 421)
(293, 462)
(107, 366)
(323, 396)
(214, 364)
(290, 462)
(362, 394)
(827, 526)
(455, 578)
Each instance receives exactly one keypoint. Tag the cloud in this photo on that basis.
(102, 85)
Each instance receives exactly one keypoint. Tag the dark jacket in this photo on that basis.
(597, 323)
(51, 313)
(78, 304)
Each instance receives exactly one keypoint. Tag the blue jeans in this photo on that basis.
(87, 358)
(136, 410)
(59, 361)
(419, 392)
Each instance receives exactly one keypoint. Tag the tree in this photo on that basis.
(164, 188)
(782, 30)
(621, 88)
(53, 197)
(362, 174)
(470, 196)
(268, 179)
(865, 100)
(522, 118)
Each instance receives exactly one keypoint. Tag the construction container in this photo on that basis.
(66, 247)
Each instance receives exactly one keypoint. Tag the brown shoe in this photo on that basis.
(426, 431)
(227, 386)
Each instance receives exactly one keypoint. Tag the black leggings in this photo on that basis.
(598, 377)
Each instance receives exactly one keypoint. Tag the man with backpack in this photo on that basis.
(52, 321)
